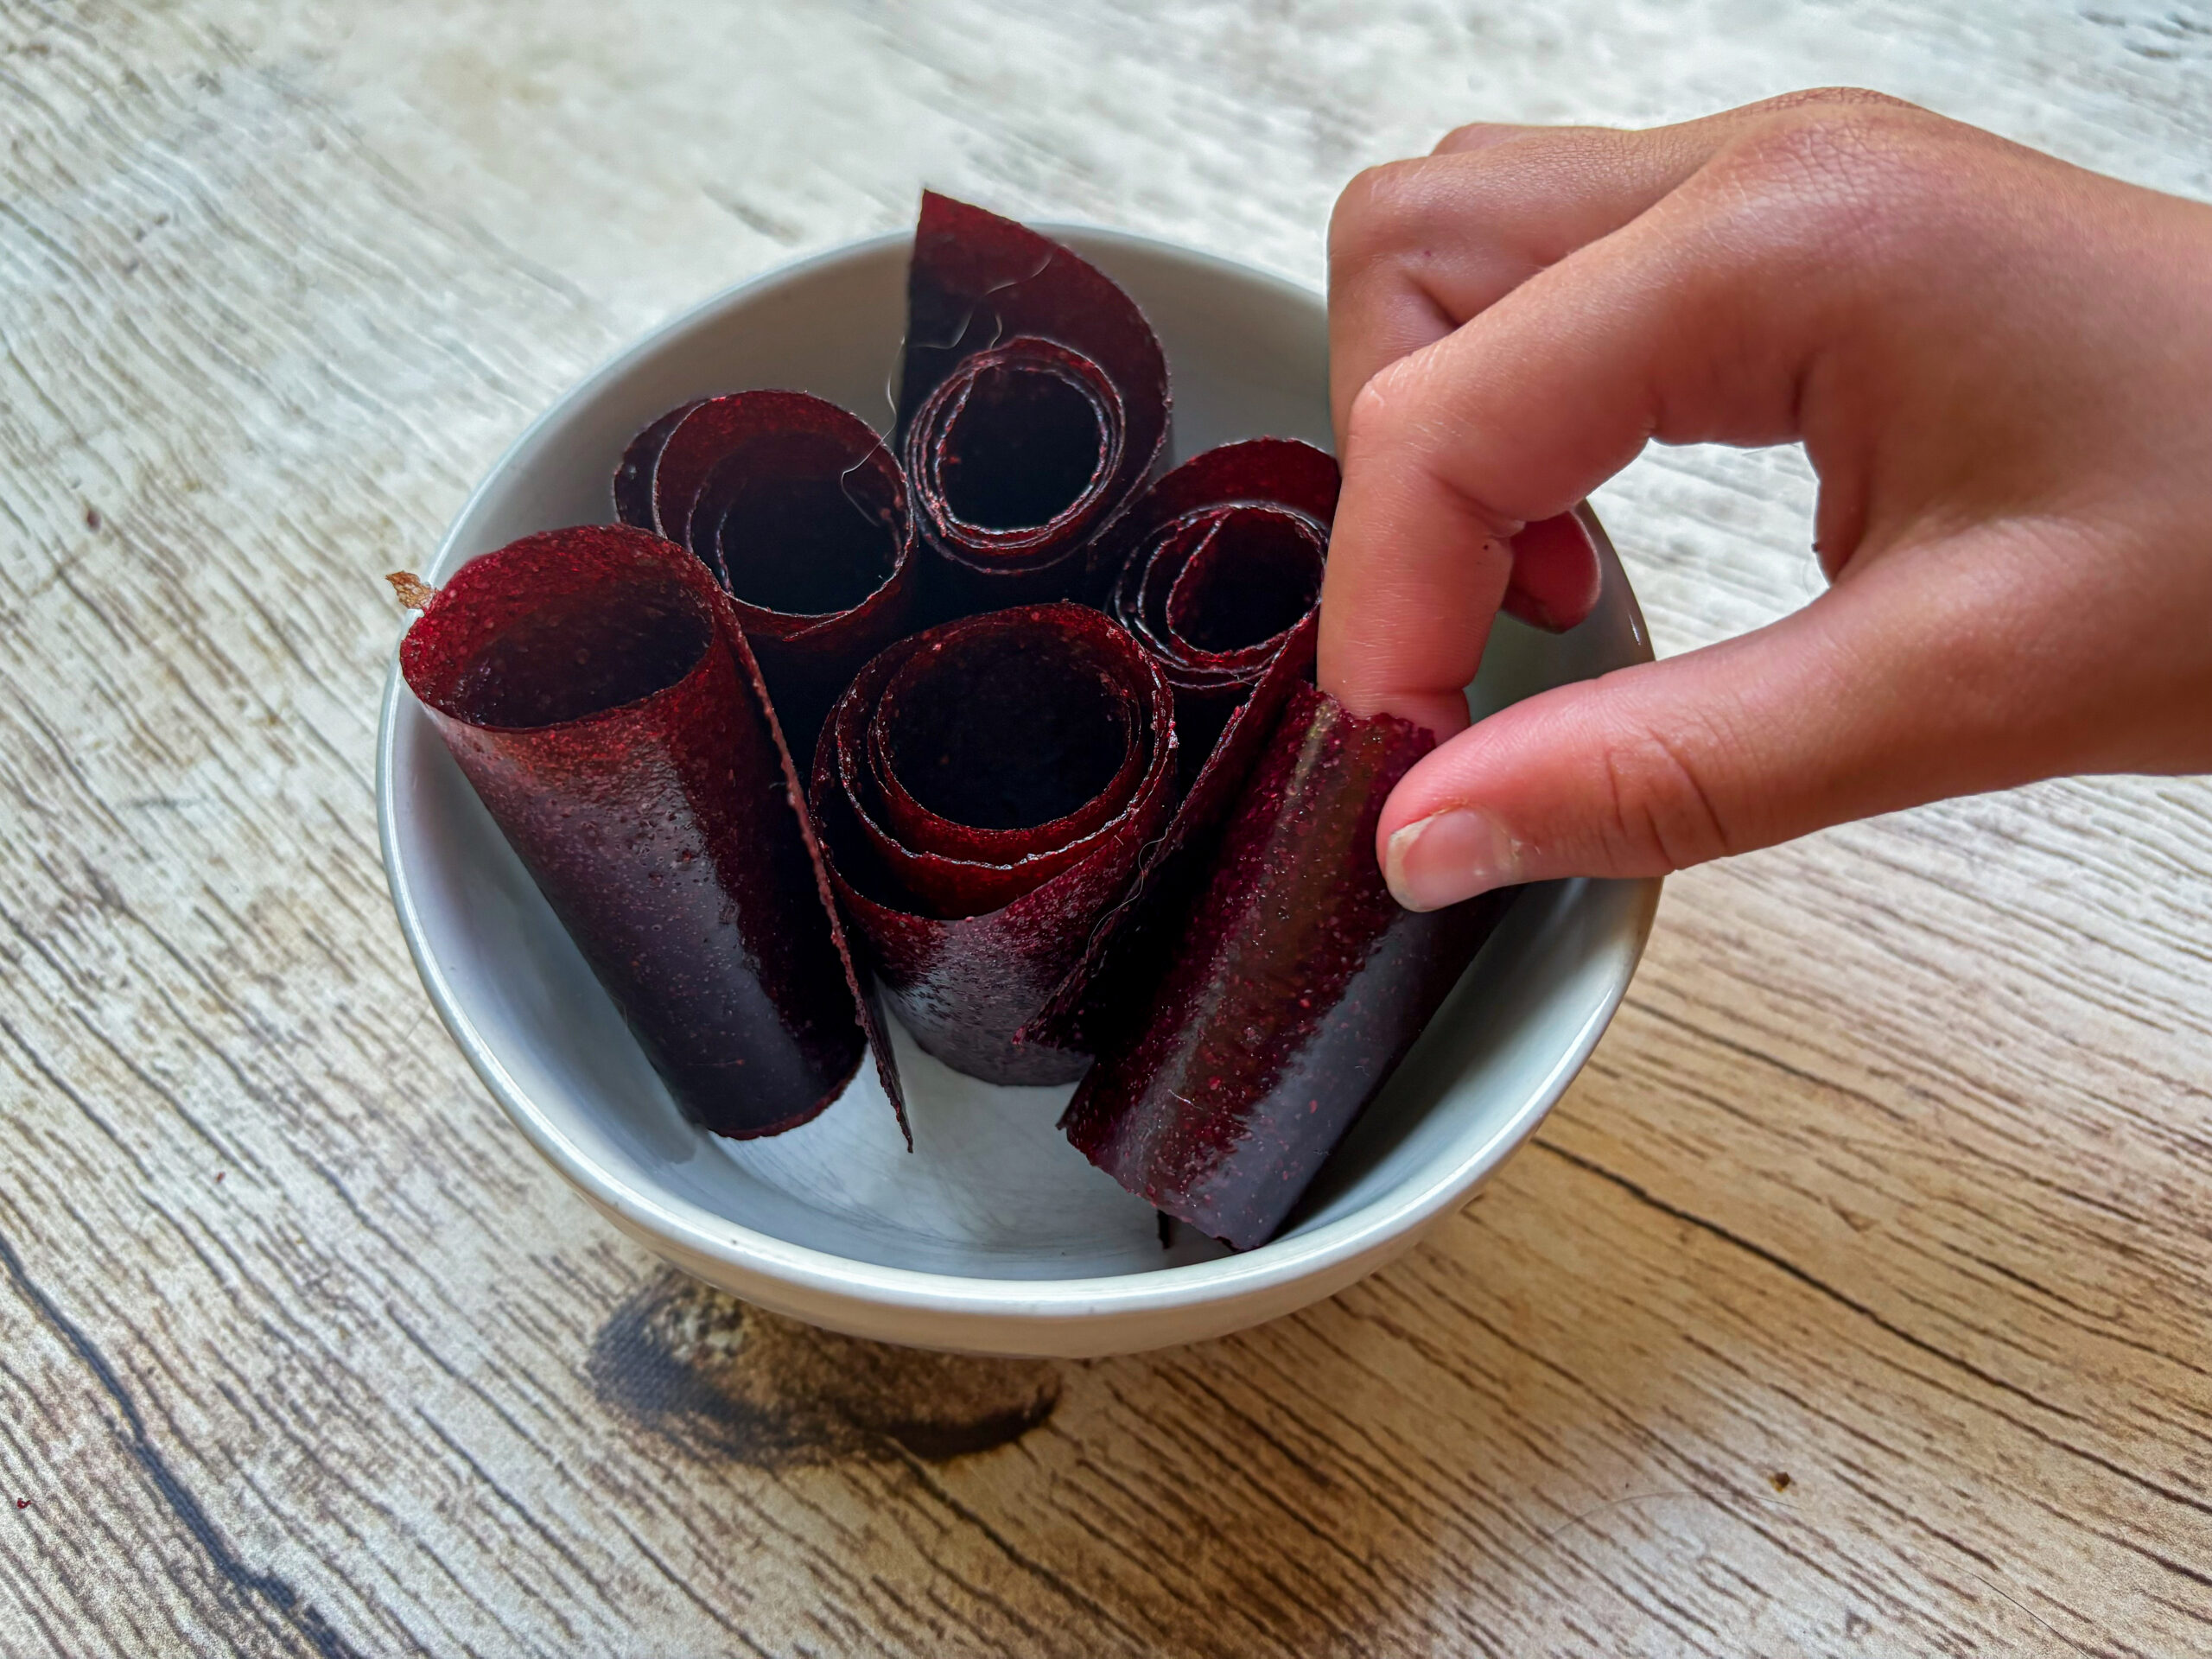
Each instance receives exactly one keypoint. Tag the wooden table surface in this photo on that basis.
(1853, 1302)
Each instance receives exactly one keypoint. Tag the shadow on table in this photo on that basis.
(730, 1380)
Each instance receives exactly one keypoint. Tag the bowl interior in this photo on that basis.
(992, 1191)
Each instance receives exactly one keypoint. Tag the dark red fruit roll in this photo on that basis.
(633, 474)
(1109, 988)
(593, 687)
(1298, 986)
(1220, 579)
(1032, 405)
(801, 514)
(985, 790)
(1220, 561)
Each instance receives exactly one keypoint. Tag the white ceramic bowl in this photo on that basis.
(994, 1235)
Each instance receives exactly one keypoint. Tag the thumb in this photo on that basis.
(1900, 686)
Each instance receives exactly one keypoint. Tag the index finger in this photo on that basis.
(1693, 323)
(1667, 324)
(1418, 247)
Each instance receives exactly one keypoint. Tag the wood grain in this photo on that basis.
(1853, 1303)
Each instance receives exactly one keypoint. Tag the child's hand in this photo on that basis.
(2000, 364)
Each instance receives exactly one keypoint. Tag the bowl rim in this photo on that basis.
(801, 1271)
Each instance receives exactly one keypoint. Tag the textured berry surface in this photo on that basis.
(590, 685)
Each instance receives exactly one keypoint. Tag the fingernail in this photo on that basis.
(1448, 856)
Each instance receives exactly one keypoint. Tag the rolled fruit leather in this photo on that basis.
(985, 790)
(1218, 574)
(594, 690)
(1296, 988)
(1219, 580)
(1032, 405)
(1218, 564)
(801, 514)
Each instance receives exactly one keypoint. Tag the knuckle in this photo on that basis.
(1473, 135)
(1661, 809)
(1800, 149)
(1382, 412)
(1367, 420)
(1836, 99)
(1384, 211)
(1366, 208)
(1837, 162)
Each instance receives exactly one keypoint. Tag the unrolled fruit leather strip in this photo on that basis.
(1033, 404)
(1298, 986)
(1219, 561)
(595, 688)
(985, 790)
(801, 513)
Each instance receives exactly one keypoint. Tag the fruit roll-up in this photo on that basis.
(595, 689)
(1297, 986)
(801, 513)
(1032, 405)
(1219, 579)
(985, 790)
(1219, 561)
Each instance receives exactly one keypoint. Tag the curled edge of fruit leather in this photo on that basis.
(1217, 565)
(633, 474)
(800, 512)
(971, 926)
(1277, 477)
(1298, 985)
(593, 687)
(986, 294)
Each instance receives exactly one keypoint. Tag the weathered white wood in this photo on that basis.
(1895, 1177)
